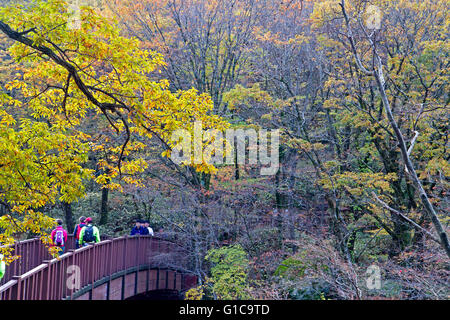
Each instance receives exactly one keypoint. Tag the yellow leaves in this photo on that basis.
(359, 183)
(436, 166)
(336, 84)
(32, 221)
(303, 145)
(133, 167)
(318, 146)
(195, 293)
(331, 164)
(6, 119)
(116, 186)
(332, 103)
(299, 40)
(324, 11)
(240, 95)
(15, 84)
(102, 179)
(82, 136)
(277, 38)
(43, 158)
(327, 42)
(267, 116)
(37, 161)
(362, 120)
(166, 153)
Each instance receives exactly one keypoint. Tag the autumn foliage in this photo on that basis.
(358, 90)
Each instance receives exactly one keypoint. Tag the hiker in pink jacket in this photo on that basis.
(59, 237)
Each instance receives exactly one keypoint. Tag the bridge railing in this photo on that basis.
(58, 278)
(32, 252)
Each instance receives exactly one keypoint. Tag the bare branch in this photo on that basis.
(384, 204)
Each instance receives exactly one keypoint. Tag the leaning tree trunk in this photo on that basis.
(429, 209)
(377, 73)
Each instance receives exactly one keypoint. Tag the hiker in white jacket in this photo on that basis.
(147, 225)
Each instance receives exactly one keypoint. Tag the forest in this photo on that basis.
(295, 149)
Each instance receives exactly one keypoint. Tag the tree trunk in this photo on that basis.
(377, 73)
(429, 209)
(236, 165)
(67, 207)
(104, 207)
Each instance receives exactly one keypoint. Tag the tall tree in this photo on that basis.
(66, 75)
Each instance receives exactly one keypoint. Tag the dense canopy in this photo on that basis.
(98, 96)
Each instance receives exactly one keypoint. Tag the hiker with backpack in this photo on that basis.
(59, 237)
(76, 232)
(89, 234)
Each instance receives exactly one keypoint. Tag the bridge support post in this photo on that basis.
(46, 281)
(72, 263)
(17, 292)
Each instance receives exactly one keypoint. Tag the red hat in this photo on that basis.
(89, 219)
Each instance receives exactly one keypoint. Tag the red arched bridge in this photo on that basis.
(113, 269)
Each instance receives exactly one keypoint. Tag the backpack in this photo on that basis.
(59, 238)
(89, 234)
(80, 226)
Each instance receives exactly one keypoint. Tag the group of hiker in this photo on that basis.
(86, 233)
(142, 227)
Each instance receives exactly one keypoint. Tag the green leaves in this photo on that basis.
(229, 272)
